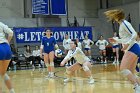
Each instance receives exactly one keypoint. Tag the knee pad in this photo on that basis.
(85, 68)
(6, 77)
(125, 72)
(52, 64)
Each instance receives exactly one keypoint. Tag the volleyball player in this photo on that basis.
(115, 47)
(102, 43)
(48, 46)
(127, 36)
(82, 61)
(5, 56)
(87, 43)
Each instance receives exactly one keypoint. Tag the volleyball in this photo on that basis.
(58, 53)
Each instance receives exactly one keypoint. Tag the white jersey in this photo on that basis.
(4, 29)
(127, 34)
(78, 55)
(36, 53)
(114, 44)
(102, 44)
(80, 45)
(66, 44)
(87, 43)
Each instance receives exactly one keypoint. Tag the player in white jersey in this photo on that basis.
(87, 43)
(5, 56)
(82, 61)
(115, 47)
(79, 43)
(66, 44)
(127, 36)
(102, 43)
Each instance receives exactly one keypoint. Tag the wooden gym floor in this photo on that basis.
(107, 80)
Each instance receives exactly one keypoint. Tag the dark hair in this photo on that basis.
(49, 30)
(28, 50)
(75, 42)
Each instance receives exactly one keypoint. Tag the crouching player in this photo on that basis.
(82, 61)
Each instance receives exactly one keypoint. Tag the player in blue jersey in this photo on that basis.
(5, 56)
(48, 45)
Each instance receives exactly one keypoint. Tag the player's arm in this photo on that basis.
(41, 47)
(55, 44)
(97, 43)
(91, 42)
(8, 31)
(106, 43)
(64, 44)
(69, 56)
(65, 60)
(130, 30)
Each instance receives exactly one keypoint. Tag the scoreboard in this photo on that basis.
(49, 7)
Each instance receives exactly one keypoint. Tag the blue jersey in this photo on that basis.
(48, 44)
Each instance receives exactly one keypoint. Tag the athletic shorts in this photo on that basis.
(48, 51)
(116, 46)
(86, 49)
(5, 51)
(135, 49)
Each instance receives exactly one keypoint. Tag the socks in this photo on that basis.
(12, 90)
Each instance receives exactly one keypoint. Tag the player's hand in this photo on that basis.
(112, 40)
(125, 46)
(62, 63)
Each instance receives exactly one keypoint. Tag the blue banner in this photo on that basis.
(58, 7)
(40, 7)
(34, 35)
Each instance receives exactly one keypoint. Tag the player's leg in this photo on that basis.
(51, 58)
(70, 70)
(86, 68)
(46, 60)
(4, 77)
(128, 59)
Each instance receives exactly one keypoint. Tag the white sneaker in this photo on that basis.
(67, 80)
(52, 75)
(48, 76)
(105, 62)
(117, 62)
(114, 62)
(91, 81)
(137, 89)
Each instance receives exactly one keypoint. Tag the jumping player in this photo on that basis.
(127, 36)
(5, 56)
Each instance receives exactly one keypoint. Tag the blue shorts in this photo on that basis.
(48, 51)
(135, 49)
(5, 51)
(86, 49)
(116, 46)
(139, 60)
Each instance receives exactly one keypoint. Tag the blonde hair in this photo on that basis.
(115, 14)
